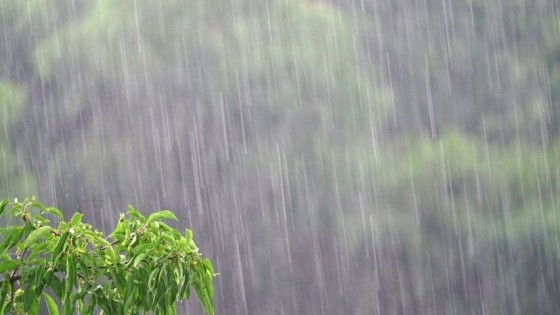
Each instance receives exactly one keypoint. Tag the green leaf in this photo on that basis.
(97, 239)
(52, 307)
(37, 249)
(188, 235)
(172, 291)
(142, 248)
(118, 278)
(136, 214)
(203, 297)
(141, 275)
(40, 219)
(91, 306)
(38, 205)
(36, 235)
(139, 259)
(160, 289)
(12, 235)
(3, 293)
(207, 273)
(190, 241)
(38, 278)
(110, 252)
(3, 203)
(208, 264)
(57, 286)
(68, 308)
(59, 247)
(28, 297)
(79, 296)
(171, 309)
(47, 278)
(152, 280)
(160, 215)
(76, 218)
(54, 211)
(70, 279)
(35, 307)
(102, 302)
(9, 265)
(130, 295)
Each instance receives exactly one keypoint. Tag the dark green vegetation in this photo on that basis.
(143, 265)
(400, 156)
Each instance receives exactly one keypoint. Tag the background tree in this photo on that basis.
(344, 156)
(15, 180)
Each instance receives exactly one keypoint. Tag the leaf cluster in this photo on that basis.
(143, 266)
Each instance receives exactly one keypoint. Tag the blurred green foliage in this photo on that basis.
(15, 180)
(416, 143)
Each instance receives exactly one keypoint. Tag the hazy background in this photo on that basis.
(331, 157)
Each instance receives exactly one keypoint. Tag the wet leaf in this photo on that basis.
(54, 211)
(9, 265)
(76, 219)
(52, 307)
(3, 203)
(161, 215)
(12, 235)
(59, 247)
(136, 214)
(36, 235)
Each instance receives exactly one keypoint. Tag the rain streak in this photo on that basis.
(330, 156)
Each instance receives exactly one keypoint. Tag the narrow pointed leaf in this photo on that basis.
(36, 235)
(76, 218)
(10, 265)
(136, 214)
(52, 307)
(54, 211)
(3, 203)
(12, 235)
(59, 246)
(161, 215)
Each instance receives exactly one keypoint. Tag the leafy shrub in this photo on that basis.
(144, 265)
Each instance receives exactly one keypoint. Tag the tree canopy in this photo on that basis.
(143, 265)
(335, 155)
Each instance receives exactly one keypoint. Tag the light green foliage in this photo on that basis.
(465, 197)
(12, 98)
(13, 180)
(308, 65)
(144, 265)
(456, 197)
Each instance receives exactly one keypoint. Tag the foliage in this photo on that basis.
(13, 179)
(143, 265)
(280, 109)
(466, 198)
